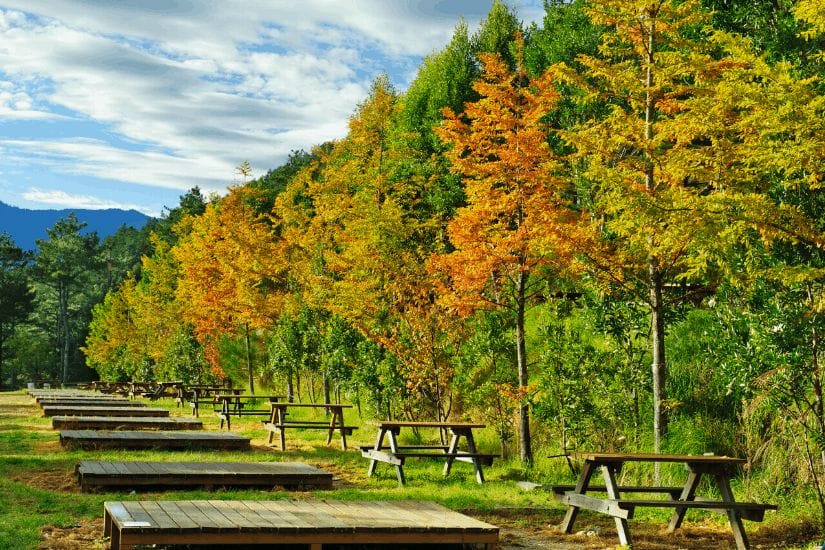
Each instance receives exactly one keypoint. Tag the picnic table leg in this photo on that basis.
(451, 450)
(399, 468)
(272, 419)
(379, 440)
(337, 423)
(734, 516)
(581, 488)
(282, 430)
(688, 493)
(609, 473)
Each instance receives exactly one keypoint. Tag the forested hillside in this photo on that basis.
(602, 232)
(26, 226)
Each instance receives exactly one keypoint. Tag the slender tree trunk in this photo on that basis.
(249, 360)
(523, 380)
(63, 294)
(657, 332)
(290, 388)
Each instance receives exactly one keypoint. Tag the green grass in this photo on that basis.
(30, 459)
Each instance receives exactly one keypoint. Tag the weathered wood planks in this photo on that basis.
(124, 423)
(172, 440)
(104, 410)
(130, 475)
(314, 522)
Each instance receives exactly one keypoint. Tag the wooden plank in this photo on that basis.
(124, 423)
(93, 474)
(95, 410)
(297, 522)
(654, 457)
(177, 440)
(602, 505)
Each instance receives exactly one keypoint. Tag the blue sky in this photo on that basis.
(130, 103)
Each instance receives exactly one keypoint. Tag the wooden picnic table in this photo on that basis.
(396, 454)
(237, 405)
(279, 422)
(195, 395)
(720, 468)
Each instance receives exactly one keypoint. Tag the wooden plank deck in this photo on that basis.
(133, 475)
(90, 403)
(124, 423)
(312, 522)
(171, 440)
(100, 410)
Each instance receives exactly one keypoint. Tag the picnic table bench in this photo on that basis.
(229, 405)
(396, 454)
(621, 508)
(279, 422)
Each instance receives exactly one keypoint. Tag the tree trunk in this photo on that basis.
(523, 380)
(249, 361)
(659, 365)
(63, 296)
(290, 388)
(657, 330)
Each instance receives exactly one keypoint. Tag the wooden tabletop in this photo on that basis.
(233, 396)
(654, 457)
(415, 424)
(327, 405)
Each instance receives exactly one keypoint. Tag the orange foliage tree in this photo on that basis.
(516, 227)
(358, 246)
(231, 272)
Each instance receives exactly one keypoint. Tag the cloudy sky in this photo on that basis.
(130, 103)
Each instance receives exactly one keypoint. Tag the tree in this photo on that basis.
(231, 273)
(67, 264)
(674, 170)
(510, 232)
(16, 296)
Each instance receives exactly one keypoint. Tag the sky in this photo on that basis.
(131, 103)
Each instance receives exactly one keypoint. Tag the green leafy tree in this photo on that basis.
(16, 296)
(676, 166)
(67, 265)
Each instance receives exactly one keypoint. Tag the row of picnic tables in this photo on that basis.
(612, 498)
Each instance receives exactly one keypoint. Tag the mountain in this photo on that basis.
(25, 226)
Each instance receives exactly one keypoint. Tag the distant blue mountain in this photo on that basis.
(26, 226)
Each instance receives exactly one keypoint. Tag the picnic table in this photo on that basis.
(162, 389)
(238, 405)
(720, 468)
(195, 395)
(396, 454)
(279, 422)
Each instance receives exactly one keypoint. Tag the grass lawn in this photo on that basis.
(41, 505)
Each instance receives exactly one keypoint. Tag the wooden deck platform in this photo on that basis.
(101, 410)
(173, 440)
(312, 522)
(90, 403)
(134, 475)
(124, 423)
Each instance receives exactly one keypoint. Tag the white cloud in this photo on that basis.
(181, 92)
(61, 199)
